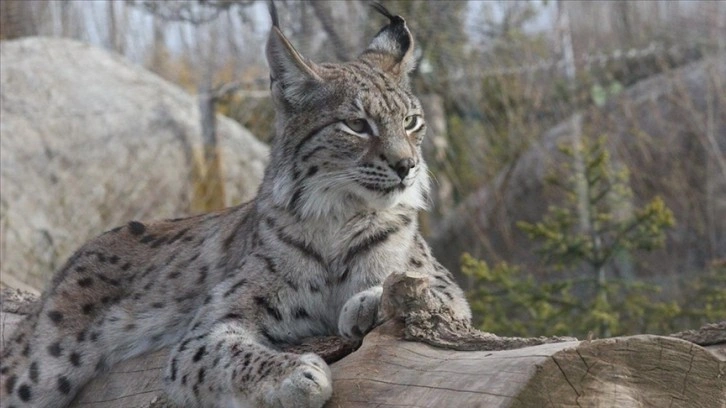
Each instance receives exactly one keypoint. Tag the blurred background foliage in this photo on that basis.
(620, 230)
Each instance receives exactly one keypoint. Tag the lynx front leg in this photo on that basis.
(228, 366)
(442, 286)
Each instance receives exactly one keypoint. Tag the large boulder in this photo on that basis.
(670, 130)
(89, 141)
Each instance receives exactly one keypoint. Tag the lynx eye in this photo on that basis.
(358, 125)
(411, 122)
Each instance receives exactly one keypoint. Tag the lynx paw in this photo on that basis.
(360, 313)
(309, 385)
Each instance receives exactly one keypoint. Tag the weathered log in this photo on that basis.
(642, 371)
(460, 367)
(710, 334)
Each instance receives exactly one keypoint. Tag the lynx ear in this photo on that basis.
(291, 75)
(392, 48)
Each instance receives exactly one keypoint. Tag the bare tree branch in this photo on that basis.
(194, 12)
(323, 12)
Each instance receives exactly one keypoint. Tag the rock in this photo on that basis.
(90, 141)
(670, 130)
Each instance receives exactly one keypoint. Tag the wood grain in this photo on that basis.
(483, 371)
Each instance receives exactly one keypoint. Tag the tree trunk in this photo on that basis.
(460, 367)
(17, 19)
(207, 174)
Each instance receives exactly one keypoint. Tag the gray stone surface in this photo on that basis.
(670, 130)
(89, 141)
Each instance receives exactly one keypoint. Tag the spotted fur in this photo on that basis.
(335, 215)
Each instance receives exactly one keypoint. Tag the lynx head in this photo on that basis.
(348, 136)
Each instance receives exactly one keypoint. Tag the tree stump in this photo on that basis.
(422, 357)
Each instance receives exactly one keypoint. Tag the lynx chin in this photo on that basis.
(334, 216)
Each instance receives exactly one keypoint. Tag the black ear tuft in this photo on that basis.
(273, 13)
(292, 77)
(392, 48)
(381, 9)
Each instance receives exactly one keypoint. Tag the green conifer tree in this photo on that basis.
(595, 224)
(601, 195)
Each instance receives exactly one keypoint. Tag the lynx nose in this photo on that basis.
(403, 167)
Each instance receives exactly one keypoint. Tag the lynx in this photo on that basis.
(336, 214)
